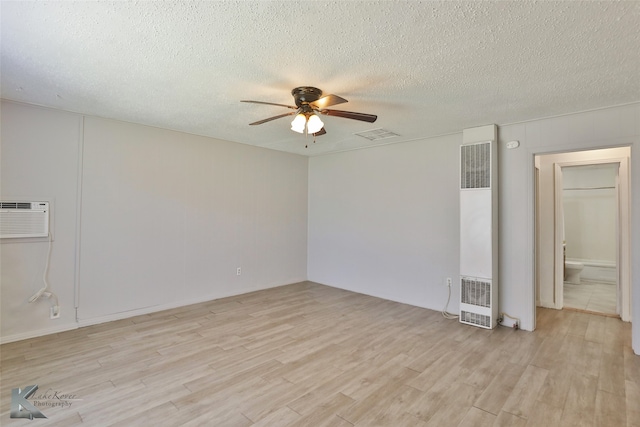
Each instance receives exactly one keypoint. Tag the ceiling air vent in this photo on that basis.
(377, 134)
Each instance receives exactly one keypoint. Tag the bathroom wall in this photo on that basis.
(589, 202)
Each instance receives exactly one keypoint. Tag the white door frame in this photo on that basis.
(558, 229)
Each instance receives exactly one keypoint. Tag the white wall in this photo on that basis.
(590, 208)
(611, 127)
(384, 221)
(40, 153)
(381, 221)
(166, 218)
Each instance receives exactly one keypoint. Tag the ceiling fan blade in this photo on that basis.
(259, 122)
(320, 132)
(271, 103)
(327, 101)
(351, 115)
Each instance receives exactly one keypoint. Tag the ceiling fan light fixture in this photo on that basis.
(314, 124)
(298, 124)
(310, 102)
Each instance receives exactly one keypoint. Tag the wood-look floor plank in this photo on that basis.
(578, 325)
(454, 405)
(325, 415)
(595, 329)
(505, 419)
(617, 335)
(633, 403)
(612, 373)
(325, 388)
(283, 416)
(481, 367)
(379, 398)
(141, 399)
(393, 409)
(545, 415)
(556, 386)
(499, 390)
(580, 401)
(588, 362)
(610, 410)
(477, 418)
(522, 401)
(71, 420)
(162, 414)
(549, 354)
(631, 365)
(307, 354)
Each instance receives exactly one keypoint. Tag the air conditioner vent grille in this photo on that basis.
(475, 165)
(476, 292)
(24, 219)
(15, 205)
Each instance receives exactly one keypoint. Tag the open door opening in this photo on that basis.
(582, 231)
(587, 221)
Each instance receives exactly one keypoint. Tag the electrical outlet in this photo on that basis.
(449, 281)
(54, 312)
(238, 271)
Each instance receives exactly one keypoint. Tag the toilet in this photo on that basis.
(572, 271)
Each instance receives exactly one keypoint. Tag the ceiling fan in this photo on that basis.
(309, 103)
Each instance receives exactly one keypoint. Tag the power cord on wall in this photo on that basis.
(445, 313)
(43, 292)
(516, 323)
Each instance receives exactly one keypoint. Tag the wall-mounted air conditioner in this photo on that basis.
(479, 228)
(24, 219)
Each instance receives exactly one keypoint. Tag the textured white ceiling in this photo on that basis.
(425, 68)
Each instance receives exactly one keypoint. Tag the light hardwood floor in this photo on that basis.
(311, 355)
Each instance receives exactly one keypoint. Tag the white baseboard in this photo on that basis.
(132, 313)
(38, 333)
(155, 308)
(594, 262)
(547, 304)
(597, 270)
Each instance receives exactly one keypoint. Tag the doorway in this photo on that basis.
(590, 230)
(582, 169)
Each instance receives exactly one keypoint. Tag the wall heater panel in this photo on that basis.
(478, 231)
(475, 232)
(24, 219)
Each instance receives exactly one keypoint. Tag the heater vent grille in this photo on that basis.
(476, 292)
(479, 227)
(475, 165)
(475, 319)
